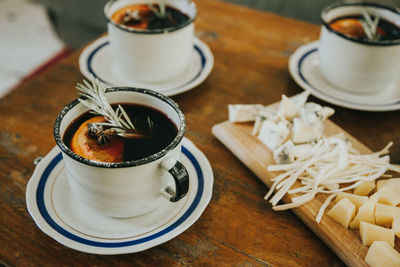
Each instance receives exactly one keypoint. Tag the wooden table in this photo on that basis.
(238, 227)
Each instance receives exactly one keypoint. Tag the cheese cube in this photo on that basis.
(244, 113)
(375, 196)
(304, 132)
(357, 200)
(381, 254)
(371, 232)
(389, 195)
(396, 212)
(364, 188)
(343, 212)
(365, 213)
(273, 134)
(384, 214)
(393, 182)
(396, 226)
(396, 221)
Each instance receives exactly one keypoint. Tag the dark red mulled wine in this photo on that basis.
(155, 129)
(352, 26)
(141, 16)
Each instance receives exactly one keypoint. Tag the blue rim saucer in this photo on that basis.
(96, 60)
(60, 215)
(304, 68)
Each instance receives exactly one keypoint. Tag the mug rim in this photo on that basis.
(148, 31)
(330, 7)
(174, 143)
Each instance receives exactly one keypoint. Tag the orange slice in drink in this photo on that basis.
(349, 26)
(87, 147)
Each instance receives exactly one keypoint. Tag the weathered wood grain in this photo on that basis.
(256, 156)
(238, 228)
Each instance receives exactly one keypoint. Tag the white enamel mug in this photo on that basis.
(151, 55)
(355, 65)
(130, 188)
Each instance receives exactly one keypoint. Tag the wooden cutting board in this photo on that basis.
(345, 243)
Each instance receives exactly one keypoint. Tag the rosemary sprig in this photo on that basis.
(370, 26)
(150, 123)
(160, 12)
(97, 102)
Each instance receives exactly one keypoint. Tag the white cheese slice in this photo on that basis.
(244, 113)
(381, 254)
(273, 134)
(303, 132)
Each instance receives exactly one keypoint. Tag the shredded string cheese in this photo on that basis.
(324, 206)
(330, 167)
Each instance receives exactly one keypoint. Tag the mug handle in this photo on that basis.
(181, 178)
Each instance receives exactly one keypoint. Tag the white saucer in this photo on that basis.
(60, 215)
(96, 60)
(304, 68)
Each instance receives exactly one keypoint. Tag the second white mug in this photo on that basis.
(357, 65)
(151, 55)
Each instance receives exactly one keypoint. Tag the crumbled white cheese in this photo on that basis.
(300, 99)
(273, 134)
(257, 125)
(287, 108)
(313, 113)
(264, 114)
(301, 151)
(290, 107)
(244, 113)
(303, 132)
(284, 153)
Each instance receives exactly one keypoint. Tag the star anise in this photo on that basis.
(94, 129)
(132, 17)
(103, 136)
